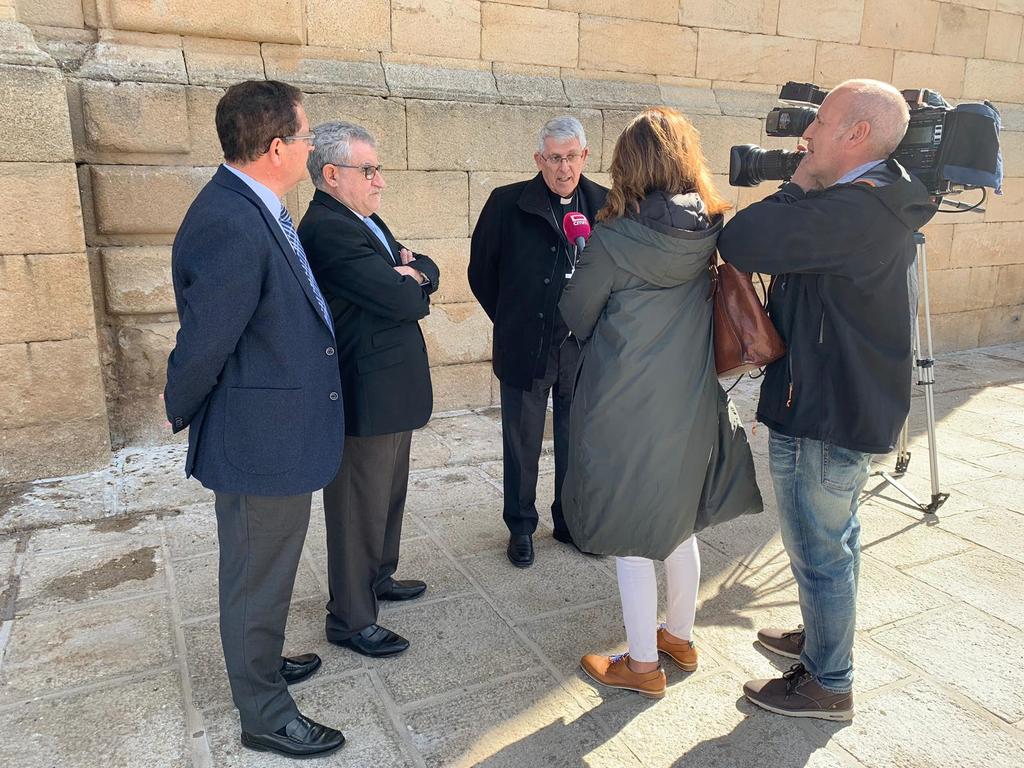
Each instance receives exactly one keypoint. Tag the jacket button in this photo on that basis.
(334, 395)
(553, 249)
(540, 315)
(547, 280)
(329, 351)
(178, 422)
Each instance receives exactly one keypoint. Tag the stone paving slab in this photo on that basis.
(121, 565)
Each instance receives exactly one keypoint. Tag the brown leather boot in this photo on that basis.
(682, 652)
(614, 672)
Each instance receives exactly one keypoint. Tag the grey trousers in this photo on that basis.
(363, 508)
(260, 543)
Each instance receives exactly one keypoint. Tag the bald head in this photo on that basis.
(879, 105)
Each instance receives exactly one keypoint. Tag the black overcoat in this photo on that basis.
(517, 268)
(385, 375)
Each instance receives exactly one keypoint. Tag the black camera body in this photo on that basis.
(944, 147)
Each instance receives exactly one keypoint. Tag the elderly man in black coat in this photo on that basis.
(377, 290)
(519, 263)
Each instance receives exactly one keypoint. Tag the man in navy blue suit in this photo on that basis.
(254, 377)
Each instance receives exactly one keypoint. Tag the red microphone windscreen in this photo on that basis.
(575, 225)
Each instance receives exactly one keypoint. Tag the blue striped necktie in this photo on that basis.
(293, 239)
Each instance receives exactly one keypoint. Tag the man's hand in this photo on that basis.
(803, 177)
(415, 274)
(406, 256)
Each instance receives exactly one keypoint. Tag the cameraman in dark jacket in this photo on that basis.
(839, 238)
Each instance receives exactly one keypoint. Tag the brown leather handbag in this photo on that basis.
(744, 335)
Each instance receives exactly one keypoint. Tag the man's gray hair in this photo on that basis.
(333, 146)
(882, 107)
(562, 128)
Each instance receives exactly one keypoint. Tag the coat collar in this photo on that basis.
(227, 179)
(534, 199)
(332, 204)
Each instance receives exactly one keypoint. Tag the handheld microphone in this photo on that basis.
(576, 228)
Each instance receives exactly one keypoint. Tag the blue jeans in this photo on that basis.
(817, 485)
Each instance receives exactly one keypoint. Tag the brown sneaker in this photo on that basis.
(798, 694)
(615, 673)
(682, 652)
(785, 642)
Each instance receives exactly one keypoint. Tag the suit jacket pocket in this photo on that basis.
(389, 336)
(377, 360)
(263, 429)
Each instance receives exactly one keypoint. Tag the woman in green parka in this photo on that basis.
(656, 449)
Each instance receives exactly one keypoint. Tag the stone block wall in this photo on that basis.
(113, 136)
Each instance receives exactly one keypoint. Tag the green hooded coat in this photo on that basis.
(656, 450)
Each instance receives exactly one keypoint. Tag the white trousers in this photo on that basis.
(638, 589)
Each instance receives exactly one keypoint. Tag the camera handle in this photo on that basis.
(924, 363)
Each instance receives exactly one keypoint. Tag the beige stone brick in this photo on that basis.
(1009, 206)
(363, 24)
(529, 84)
(136, 117)
(939, 244)
(144, 199)
(41, 209)
(960, 290)
(651, 10)
(141, 359)
(202, 109)
(237, 19)
(461, 386)
(8, 10)
(961, 31)
(221, 62)
(1003, 40)
(741, 15)
(50, 381)
(529, 35)
(452, 257)
(126, 62)
(449, 28)
(1010, 286)
(1011, 143)
(836, 62)
(718, 134)
(944, 74)
(907, 25)
(45, 298)
(483, 183)
(35, 124)
(430, 77)
(747, 58)
(51, 13)
(54, 450)
(610, 90)
(492, 137)
(384, 118)
(138, 280)
(457, 333)
(612, 44)
(1001, 325)
(326, 69)
(821, 20)
(982, 244)
(426, 204)
(955, 331)
(994, 80)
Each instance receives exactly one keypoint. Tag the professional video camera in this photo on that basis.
(948, 148)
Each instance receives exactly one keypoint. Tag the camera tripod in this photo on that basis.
(924, 364)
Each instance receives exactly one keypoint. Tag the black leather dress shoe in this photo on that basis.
(375, 641)
(297, 668)
(563, 536)
(520, 550)
(300, 738)
(402, 590)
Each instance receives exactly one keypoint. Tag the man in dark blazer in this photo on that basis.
(254, 377)
(377, 290)
(519, 263)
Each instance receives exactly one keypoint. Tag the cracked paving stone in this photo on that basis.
(1000, 530)
(465, 531)
(192, 531)
(152, 477)
(110, 531)
(434, 490)
(902, 541)
(885, 595)
(470, 438)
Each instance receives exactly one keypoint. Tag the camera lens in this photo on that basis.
(749, 165)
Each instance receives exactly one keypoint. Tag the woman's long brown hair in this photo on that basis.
(658, 151)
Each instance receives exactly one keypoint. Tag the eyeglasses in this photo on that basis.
(308, 137)
(556, 160)
(369, 171)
